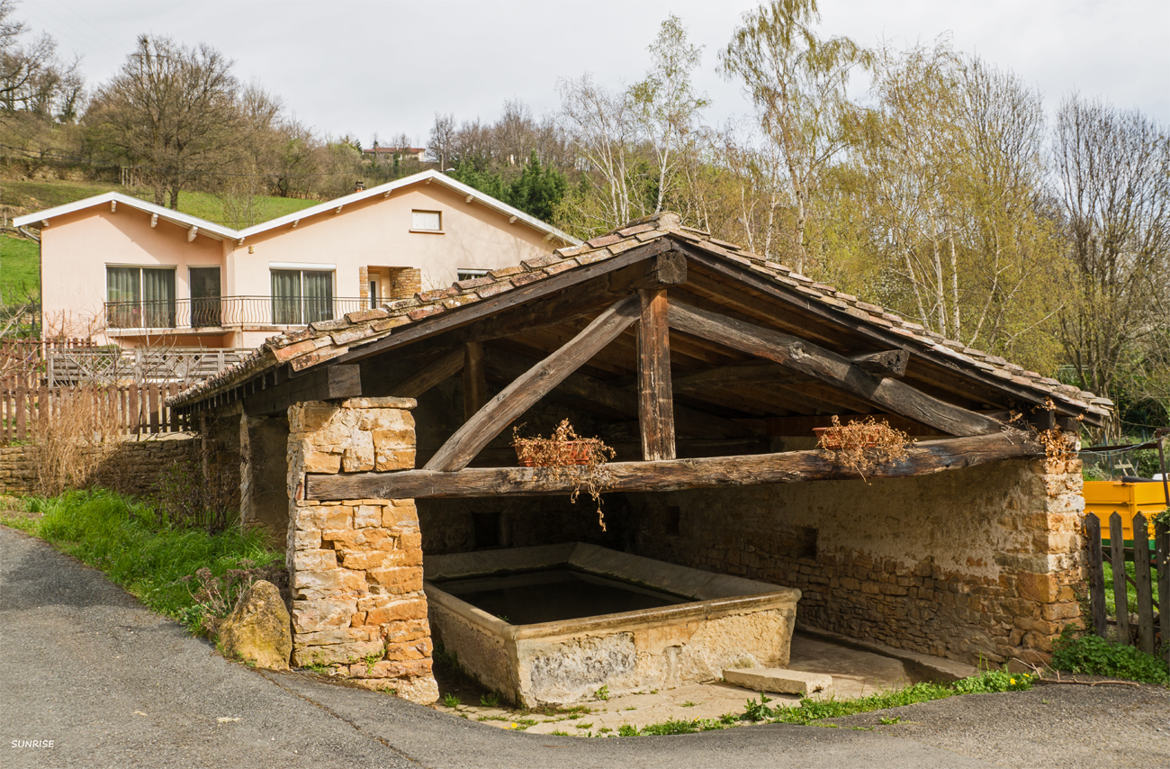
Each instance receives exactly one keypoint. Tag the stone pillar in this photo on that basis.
(264, 473)
(1046, 572)
(355, 566)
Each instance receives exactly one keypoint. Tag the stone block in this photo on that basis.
(321, 462)
(406, 631)
(337, 635)
(319, 614)
(305, 539)
(366, 559)
(397, 580)
(779, 680)
(332, 654)
(329, 583)
(399, 512)
(314, 560)
(1043, 588)
(394, 459)
(383, 610)
(367, 515)
(358, 453)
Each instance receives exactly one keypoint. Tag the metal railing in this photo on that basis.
(228, 312)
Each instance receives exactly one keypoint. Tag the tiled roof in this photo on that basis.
(329, 339)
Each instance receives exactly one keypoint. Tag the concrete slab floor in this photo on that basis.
(855, 673)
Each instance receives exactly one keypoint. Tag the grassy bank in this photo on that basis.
(38, 195)
(139, 550)
(19, 269)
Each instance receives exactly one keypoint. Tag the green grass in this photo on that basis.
(1130, 588)
(139, 550)
(813, 711)
(20, 275)
(37, 195)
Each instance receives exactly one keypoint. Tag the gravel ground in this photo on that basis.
(111, 684)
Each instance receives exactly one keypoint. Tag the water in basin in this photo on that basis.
(553, 594)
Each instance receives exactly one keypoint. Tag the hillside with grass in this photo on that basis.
(19, 270)
(20, 197)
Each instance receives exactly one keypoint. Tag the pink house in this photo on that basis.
(134, 273)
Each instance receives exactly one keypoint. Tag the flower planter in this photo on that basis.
(831, 438)
(575, 452)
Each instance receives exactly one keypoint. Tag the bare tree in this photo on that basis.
(665, 101)
(442, 140)
(32, 78)
(798, 84)
(171, 110)
(1114, 170)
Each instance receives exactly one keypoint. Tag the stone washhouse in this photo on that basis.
(378, 446)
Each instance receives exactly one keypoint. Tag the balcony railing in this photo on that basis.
(229, 312)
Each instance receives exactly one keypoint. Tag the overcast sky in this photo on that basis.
(360, 67)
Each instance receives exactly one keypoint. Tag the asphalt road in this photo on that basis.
(110, 684)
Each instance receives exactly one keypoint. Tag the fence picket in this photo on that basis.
(1117, 561)
(1141, 578)
(1096, 574)
(152, 391)
(1162, 556)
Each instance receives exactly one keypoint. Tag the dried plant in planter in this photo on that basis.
(863, 445)
(564, 455)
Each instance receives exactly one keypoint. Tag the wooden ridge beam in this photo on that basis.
(831, 368)
(655, 396)
(923, 458)
(532, 385)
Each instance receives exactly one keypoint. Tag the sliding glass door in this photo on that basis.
(301, 296)
(140, 297)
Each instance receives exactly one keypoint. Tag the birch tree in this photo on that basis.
(797, 82)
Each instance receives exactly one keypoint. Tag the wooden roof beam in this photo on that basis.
(831, 368)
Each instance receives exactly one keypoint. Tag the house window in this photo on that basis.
(426, 221)
(140, 297)
(467, 273)
(301, 296)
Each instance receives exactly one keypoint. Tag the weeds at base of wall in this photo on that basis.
(186, 501)
(75, 442)
(1090, 654)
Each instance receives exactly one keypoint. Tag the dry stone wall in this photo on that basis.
(977, 565)
(130, 467)
(355, 566)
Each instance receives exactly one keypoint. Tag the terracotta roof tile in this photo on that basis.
(325, 340)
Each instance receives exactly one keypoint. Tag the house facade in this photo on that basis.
(126, 271)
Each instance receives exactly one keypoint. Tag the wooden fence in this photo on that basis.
(137, 409)
(1153, 594)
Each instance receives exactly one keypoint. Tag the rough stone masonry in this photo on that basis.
(355, 567)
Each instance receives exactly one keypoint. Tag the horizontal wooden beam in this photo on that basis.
(829, 367)
(330, 382)
(669, 474)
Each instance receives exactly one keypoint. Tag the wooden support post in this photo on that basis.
(655, 397)
(923, 458)
(830, 367)
(474, 380)
(533, 385)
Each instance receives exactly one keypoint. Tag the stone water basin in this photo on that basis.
(553, 624)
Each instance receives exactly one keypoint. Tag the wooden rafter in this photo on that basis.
(923, 458)
(655, 396)
(532, 385)
(831, 368)
(439, 370)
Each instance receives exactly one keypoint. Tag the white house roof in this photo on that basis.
(218, 231)
(210, 229)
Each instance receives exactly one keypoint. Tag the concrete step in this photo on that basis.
(779, 680)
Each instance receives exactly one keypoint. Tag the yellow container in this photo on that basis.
(1107, 497)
